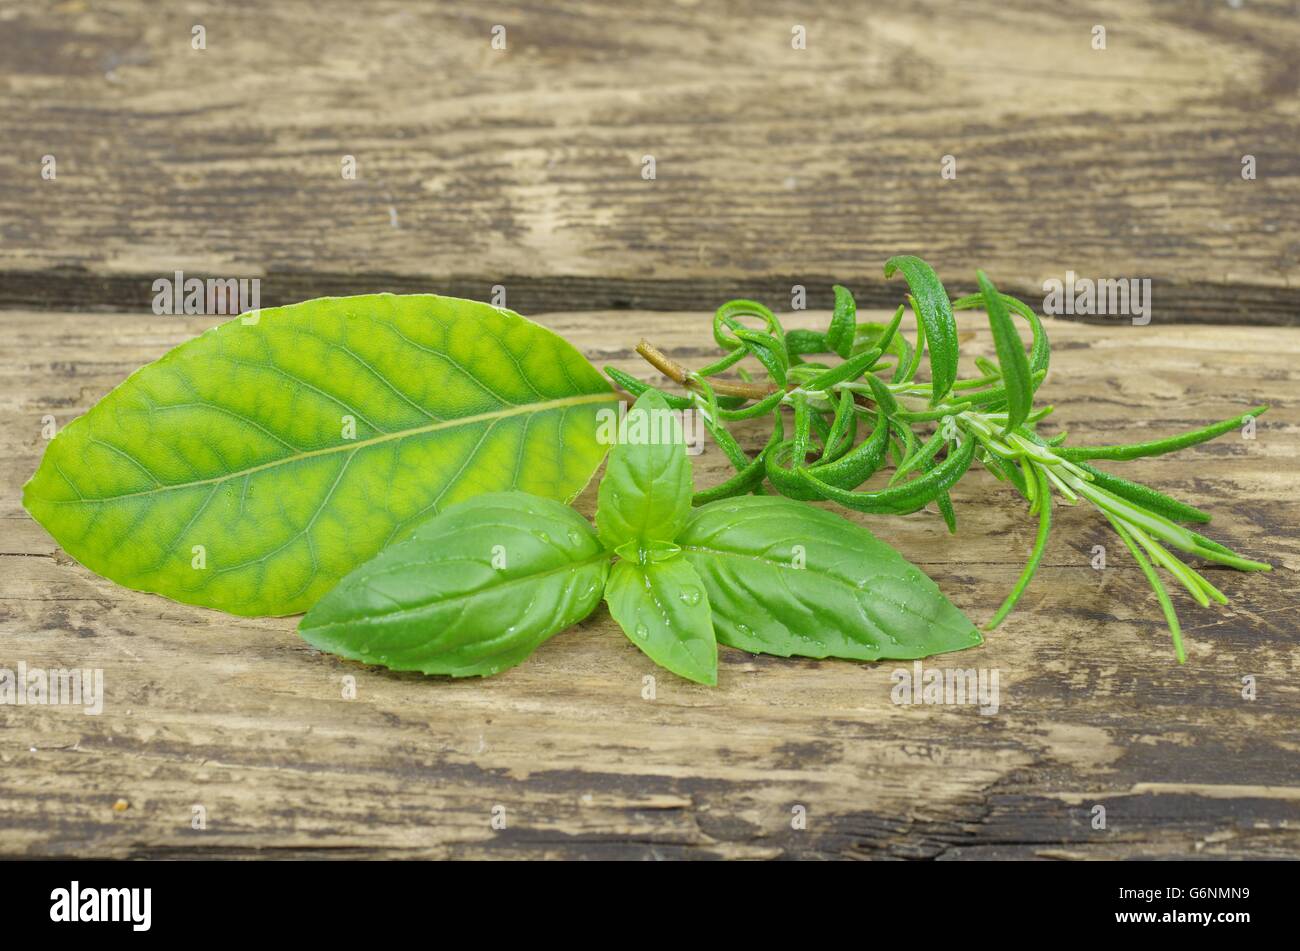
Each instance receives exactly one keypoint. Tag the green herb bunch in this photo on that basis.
(474, 590)
(852, 418)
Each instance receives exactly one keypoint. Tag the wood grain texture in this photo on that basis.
(774, 166)
(240, 716)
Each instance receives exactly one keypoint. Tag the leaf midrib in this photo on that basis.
(520, 409)
(782, 565)
(787, 567)
(376, 617)
(767, 561)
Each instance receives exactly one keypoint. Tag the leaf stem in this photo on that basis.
(683, 377)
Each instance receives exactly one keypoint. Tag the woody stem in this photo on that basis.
(682, 376)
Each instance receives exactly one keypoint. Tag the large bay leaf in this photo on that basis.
(252, 467)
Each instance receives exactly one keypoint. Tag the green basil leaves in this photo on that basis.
(644, 499)
(786, 578)
(474, 590)
(471, 592)
(646, 493)
(662, 608)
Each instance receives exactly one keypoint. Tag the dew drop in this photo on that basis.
(690, 595)
(574, 537)
(744, 630)
(542, 536)
(642, 631)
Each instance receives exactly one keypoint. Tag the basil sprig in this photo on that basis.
(476, 589)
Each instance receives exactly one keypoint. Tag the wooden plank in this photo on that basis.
(774, 166)
(239, 716)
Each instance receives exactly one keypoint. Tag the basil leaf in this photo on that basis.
(1011, 355)
(472, 592)
(646, 491)
(662, 608)
(936, 315)
(252, 467)
(786, 578)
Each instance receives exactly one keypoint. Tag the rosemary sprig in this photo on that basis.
(932, 430)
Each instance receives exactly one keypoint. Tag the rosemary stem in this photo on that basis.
(683, 377)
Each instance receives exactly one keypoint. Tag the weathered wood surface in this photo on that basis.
(774, 166)
(241, 717)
